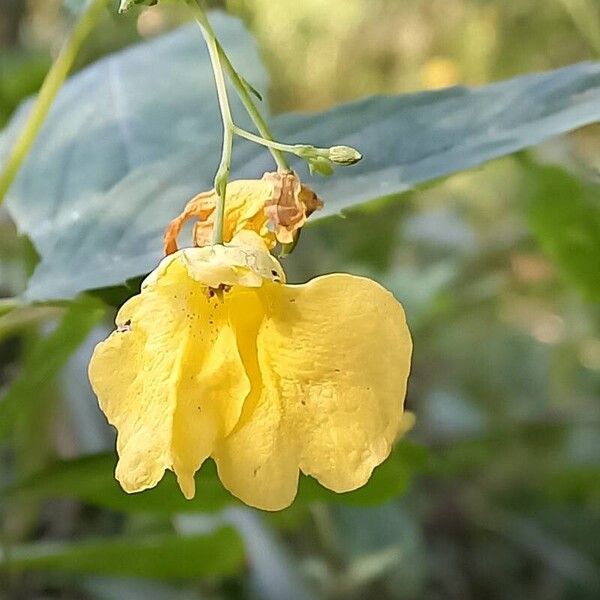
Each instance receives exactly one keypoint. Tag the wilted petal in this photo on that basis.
(273, 207)
(290, 204)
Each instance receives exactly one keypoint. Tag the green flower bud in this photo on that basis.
(344, 155)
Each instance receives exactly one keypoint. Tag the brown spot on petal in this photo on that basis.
(274, 207)
(291, 203)
(125, 326)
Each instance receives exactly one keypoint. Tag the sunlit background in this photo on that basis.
(505, 503)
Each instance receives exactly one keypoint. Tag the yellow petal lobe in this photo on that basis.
(170, 378)
(328, 388)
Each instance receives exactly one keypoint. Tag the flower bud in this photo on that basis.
(344, 155)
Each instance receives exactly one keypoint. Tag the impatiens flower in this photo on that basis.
(274, 207)
(218, 357)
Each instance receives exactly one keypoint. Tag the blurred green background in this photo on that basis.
(504, 502)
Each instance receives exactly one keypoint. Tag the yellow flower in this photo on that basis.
(275, 207)
(218, 357)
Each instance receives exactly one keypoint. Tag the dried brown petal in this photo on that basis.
(275, 207)
(290, 205)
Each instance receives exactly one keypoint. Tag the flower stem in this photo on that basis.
(251, 108)
(241, 87)
(52, 84)
(296, 149)
(222, 176)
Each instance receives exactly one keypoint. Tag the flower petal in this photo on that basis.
(256, 462)
(274, 208)
(212, 387)
(289, 206)
(245, 261)
(349, 370)
(332, 359)
(244, 209)
(170, 379)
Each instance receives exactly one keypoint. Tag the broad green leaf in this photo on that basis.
(132, 137)
(47, 357)
(564, 215)
(91, 479)
(159, 557)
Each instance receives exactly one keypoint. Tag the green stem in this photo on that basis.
(240, 87)
(296, 149)
(52, 83)
(222, 176)
(262, 126)
(325, 528)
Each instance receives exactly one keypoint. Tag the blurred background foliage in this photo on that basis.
(498, 269)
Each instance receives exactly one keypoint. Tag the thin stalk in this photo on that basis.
(52, 84)
(240, 87)
(252, 110)
(326, 533)
(278, 146)
(222, 176)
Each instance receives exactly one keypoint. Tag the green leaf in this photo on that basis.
(132, 137)
(159, 557)
(21, 74)
(564, 214)
(91, 479)
(47, 357)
